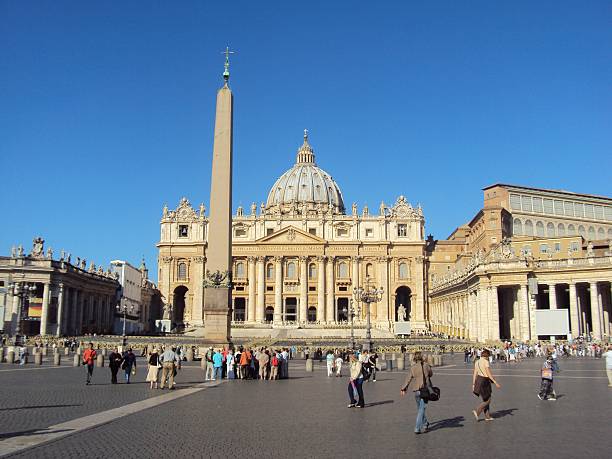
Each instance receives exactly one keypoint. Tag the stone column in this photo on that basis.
(252, 284)
(60, 310)
(321, 289)
(331, 287)
(483, 306)
(552, 295)
(15, 310)
(303, 308)
(420, 299)
(44, 317)
(382, 307)
(261, 289)
(355, 276)
(278, 290)
(574, 323)
(197, 305)
(595, 311)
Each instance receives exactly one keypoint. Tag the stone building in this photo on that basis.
(298, 256)
(65, 297)
(528, 249)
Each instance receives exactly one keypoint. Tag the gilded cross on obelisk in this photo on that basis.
(227, 53)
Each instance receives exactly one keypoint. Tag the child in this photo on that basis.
(546, 388)
(338, 366)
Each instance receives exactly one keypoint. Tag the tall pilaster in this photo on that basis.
(595, 313)
(303, 308)
(261, 290)
(329, 305)
(60, 310)
(321, 289)
(217, 294)
(44, 317)
(573, 299)
(278, 290)
(252, 294)
(552, 296)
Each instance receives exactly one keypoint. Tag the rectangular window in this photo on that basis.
(558, 207)
(526, 250)
(269, 288)
(240, 289)
(312, 231)
(269, 231)
(588, 211)
(369, 232)
(548, 206)
(312, 289)
(569, 208)
(537, 205)
(240, 231)
(342, 288)
(515, 202)
(183, 230)
(543, 248)
(341, 232)
(527, 204)
(574, 246)
(402, 230)
(557, 247)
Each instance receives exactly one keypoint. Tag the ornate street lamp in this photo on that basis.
(368, 295)
(352, 311)
(23, 292)
(124, 310)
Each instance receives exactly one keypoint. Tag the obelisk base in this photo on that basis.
(217, 313)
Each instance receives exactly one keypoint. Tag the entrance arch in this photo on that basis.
(239, 309)
(290, 309)
(342, 310)
(402, 296)
(178, 306)
(269, 316)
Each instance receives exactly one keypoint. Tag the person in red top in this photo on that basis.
(89, 357)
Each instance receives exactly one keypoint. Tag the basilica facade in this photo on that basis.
(298, 257)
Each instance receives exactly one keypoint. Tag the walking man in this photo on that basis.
(209, 372)
(114, 363)
(89, 357)
(169, 360)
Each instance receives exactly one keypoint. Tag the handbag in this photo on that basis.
(428, 392)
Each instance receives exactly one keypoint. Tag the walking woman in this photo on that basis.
(481, 385)
(420, 371)
(129, 364)
(154, 366)
(355, 383)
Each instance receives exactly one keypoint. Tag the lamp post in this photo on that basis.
(368, 295)
(23, 293)
(352, 311)
(124, 310)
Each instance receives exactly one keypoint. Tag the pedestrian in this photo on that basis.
(274, 366)
(209, 369)
(114, 363)
(229, 362)
(355, 385)
(481, 385)
(466, 355)
(218, 365)
(420, 372)
(154, 365)
(169, 359)
(89, 357)
(129, 364)
(245, 361)
(546, 373)
(608, 356)
(264, 360)
(329, 358)
(339, 362)
(23, 354)
(372, 360)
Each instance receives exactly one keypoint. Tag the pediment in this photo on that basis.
(291, 235)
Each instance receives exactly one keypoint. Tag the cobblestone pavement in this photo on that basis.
(306, 416)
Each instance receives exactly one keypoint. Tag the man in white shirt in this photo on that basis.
(608, 356)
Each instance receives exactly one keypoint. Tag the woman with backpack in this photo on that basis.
(416, 380)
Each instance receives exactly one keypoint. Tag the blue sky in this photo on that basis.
(106, 108)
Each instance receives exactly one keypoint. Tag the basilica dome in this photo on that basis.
(305, 187)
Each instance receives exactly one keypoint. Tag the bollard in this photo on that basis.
(57, 359)
(441, 360)
(76, 361)
(382, 357)
(400, 363)
(389, 365)
(100, 361)
(302, 355)
(309, 365)
(38, 359)
(190, 355)
(66, 351)
(104, 352)
(10, 357)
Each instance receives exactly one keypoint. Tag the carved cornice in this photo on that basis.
(199, 260)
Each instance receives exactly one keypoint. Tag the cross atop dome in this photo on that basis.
(305, 154)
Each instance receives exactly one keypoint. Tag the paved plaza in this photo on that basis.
(49, 412)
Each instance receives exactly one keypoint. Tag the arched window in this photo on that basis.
(550, 230)
(591, 233)
(342, 270)
(369, 270)
(528, 228)
(291, 270)
(182, 271)
(517, 229)
(561, 229)
(270, 271)
(601, 234)
(571, 230)
(403, 270)
(312, 314)
(582, 231)
(540, 229)
(312, 271)
(240, 270)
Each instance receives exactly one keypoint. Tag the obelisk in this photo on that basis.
(218, 277)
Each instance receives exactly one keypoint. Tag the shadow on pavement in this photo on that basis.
(502, 413)
(35, 407)
(447, 423)
(384, 402)
(30, 432)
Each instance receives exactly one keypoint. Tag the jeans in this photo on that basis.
(218, 373)
(128, 372)
(546, 388)
(209, 374)
(359, 386)
(421, 419)
(90, 368)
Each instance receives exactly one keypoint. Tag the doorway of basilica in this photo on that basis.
(402, 297)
